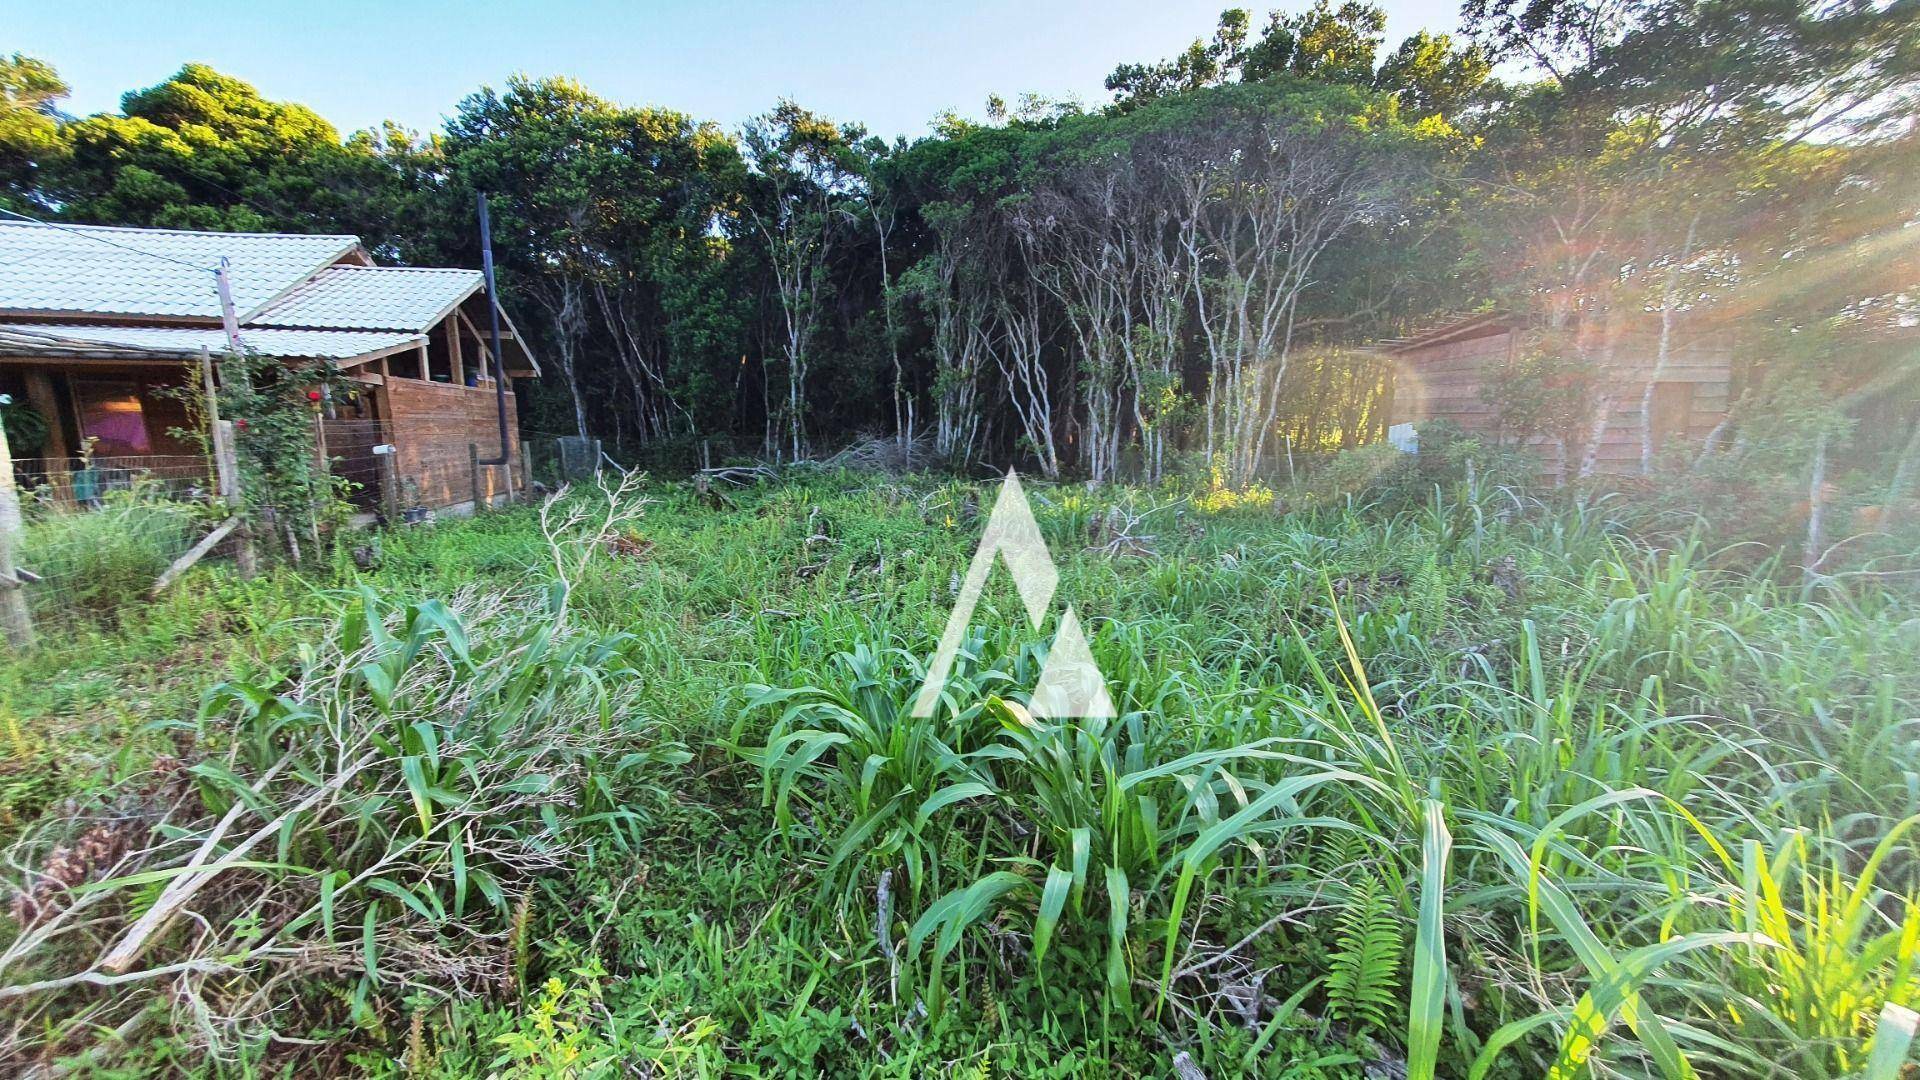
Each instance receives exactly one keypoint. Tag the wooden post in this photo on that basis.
(526, 471)
(56, 457)
(320, 460)
(390, 487)
(456, 367)
(323, 471)
(473, 471)
(15, 619)
(226, 465)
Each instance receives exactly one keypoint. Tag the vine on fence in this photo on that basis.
(287, 491)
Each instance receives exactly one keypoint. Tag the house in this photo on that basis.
(96, 322)
(1446, 371)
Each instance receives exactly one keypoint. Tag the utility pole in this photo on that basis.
(229, 319)
(15, 620)
(493, 339)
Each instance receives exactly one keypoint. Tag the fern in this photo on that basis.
(1337, 853)
(1363, 979)
(1430, 593)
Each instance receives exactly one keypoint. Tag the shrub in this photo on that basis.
(1219, 496)
(99, 559)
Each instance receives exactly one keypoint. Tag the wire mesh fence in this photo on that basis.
(556, 460)
(88, 481)
(97, 530)
(355, 451)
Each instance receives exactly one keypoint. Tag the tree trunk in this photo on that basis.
(1811, 555)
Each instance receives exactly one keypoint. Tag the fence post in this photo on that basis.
(526, 471)
(226, 470)
(473, 472)
(390, 485)
(15, 619)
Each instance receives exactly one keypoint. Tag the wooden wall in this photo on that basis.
(433, 425)
(1443, 381)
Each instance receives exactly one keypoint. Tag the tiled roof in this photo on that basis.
(1445, 328)
(283, 284)
(372, 297)
(100, 270)
(186, 342)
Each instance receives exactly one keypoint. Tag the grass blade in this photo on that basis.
(1428, 995)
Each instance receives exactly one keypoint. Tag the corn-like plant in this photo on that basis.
(1072, 809)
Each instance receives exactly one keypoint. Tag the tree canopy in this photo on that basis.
(1186, 273)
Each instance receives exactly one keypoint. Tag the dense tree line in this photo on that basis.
(1190, 269)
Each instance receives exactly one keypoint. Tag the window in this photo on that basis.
(112, 413)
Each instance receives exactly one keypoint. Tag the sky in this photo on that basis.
(892, 66)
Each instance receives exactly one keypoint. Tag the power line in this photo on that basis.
(98, 239)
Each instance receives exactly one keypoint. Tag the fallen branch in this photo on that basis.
(194, 554)
(182, 888)
(94, 978)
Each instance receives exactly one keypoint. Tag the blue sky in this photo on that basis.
(892, 66)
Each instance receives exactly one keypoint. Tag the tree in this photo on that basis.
(1323, 43)
(883, 210)
(1075, 219)
(1431, 73)
(1201, 64)
(806, 179)
(530, 149)
(616, 223)
(204, 150)
(952, 281)
(30, 94)
(1640, 175)
(1271, 178)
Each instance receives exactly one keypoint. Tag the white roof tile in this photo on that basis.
(185, 342)
(283, 284)
(101, 270)
(372, 297)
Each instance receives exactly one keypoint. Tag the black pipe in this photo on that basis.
(493, 314)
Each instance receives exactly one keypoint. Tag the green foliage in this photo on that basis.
(1363, 969)
(26, 429)
(406, 771)
(30, 92)
(204, 150)
(97, 560)
(1546, 387)
(289, 495)
(1044, 881)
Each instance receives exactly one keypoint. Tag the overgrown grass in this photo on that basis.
(96, 560)
(1442, 778)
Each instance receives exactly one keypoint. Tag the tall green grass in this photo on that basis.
(1638, 811)
(1452, 778)
(96, 560)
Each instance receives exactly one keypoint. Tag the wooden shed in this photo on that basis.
(1444, 371)
(96, 323)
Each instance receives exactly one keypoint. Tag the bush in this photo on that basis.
(1218, 495)
(97, 560)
